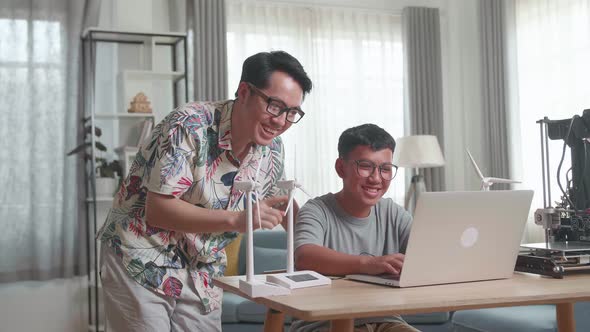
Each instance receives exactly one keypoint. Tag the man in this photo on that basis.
(356, 230)
(163, 241)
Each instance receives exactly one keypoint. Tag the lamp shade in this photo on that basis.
(419, 151)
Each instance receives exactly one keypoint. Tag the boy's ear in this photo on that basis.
(339, 166)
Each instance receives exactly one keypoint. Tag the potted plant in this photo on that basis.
(107, 173)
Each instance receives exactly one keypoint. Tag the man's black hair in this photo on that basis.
(258, 68)
(367, 134)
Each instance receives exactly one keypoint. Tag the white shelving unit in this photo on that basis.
(117, 66)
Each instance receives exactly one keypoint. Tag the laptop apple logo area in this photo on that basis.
(469, 237)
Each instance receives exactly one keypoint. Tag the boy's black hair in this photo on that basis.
(367, 134)
(258, 68)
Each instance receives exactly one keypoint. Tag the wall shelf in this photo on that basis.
(117, 66)
(152, 75)
(128, 36)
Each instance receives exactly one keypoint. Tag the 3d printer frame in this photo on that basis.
(567, 225)
(569, 220)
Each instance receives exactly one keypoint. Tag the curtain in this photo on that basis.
(424, 103)
(42, 235)
(552, 47)
(354, 58)
(494, 85)
(207, 32)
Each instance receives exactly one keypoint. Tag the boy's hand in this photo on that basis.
(390, 264)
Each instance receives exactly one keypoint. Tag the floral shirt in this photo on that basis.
(189, 156)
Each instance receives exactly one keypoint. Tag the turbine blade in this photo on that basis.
(500, 180)
(258, 210)
(305, 192)
(291, 195)
(474, 164)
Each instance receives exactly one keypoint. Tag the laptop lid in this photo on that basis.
(465, 236)
(462, 236)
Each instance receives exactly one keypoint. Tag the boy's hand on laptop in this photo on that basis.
(388, 264)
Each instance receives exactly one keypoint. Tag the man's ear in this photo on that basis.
(339, 166)
(243, 90)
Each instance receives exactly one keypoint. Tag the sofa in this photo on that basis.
(239, 314)
(270, 253)
(532, 318)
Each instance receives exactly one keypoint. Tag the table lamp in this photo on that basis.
(417, 151)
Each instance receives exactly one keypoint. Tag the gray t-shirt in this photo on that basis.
(321, 221)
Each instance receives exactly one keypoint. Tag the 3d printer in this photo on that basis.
(567, 223)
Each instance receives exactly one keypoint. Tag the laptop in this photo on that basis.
(460, 237)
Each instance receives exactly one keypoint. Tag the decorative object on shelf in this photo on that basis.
(418, 151)
(140, 104)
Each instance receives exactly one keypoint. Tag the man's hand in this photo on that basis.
(390, 264)
(269, 216)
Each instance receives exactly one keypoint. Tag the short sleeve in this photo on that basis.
(169, 155)
(310, 227)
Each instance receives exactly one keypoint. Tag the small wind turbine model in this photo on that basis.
(280, 283)
(487, 182)
(252, 286)
(292, 279)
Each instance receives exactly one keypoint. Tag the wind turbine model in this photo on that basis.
(487, 182)
(292, 279)
(252, 286)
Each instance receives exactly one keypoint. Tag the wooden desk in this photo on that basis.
(345, 300)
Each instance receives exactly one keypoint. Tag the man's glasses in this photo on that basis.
(277, 107)
(366, 168)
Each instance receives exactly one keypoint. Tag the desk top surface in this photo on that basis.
(346, 298)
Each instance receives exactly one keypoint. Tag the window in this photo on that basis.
(553, 48)
(354, 59)
(37, 200)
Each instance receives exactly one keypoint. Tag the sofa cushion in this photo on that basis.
(429, 318)
(268, 259)
(252, 312)
(230, 305)
(270, 239)
(582, 315)
(533, 318)
(537, 318)
(231, 251)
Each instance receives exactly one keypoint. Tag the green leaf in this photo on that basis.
(136, 270)
(154, 274)
(100, 146)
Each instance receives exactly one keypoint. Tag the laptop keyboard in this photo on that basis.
(389, 276)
